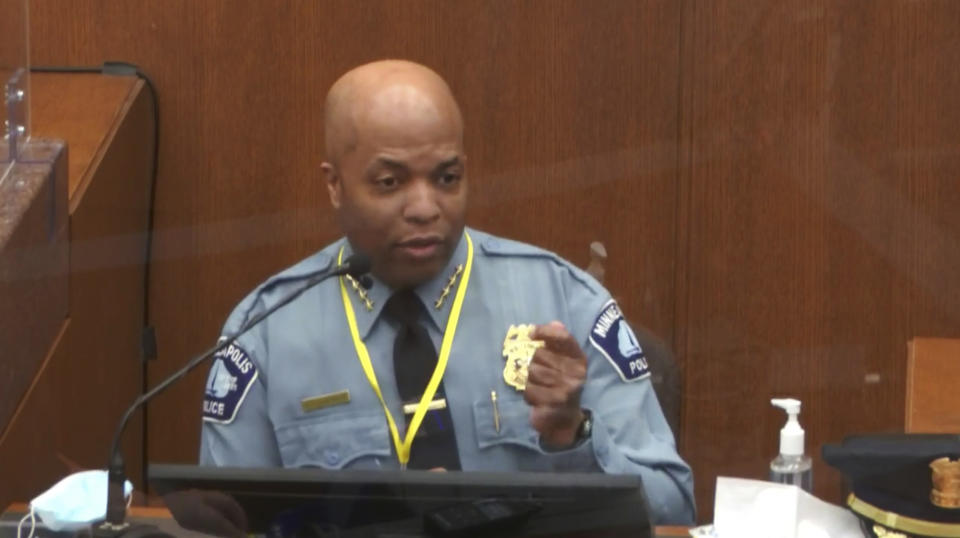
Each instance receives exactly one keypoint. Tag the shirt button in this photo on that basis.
(331, 457)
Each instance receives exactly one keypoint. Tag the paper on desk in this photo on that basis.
(757, 509)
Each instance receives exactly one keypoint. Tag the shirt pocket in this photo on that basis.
(334, 441)
(514, 422)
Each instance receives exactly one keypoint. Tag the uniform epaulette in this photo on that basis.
(498, 246)
(304, 269)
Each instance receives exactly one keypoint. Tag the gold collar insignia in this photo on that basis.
(361, 293)
(449, 286)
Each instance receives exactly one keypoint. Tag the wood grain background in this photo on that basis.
(822, 231)
(61, 410)
(775, 182)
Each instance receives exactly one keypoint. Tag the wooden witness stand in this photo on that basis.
(67, 386)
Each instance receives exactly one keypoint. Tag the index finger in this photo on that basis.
(557, 338)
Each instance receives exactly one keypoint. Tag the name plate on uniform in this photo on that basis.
(325, 400)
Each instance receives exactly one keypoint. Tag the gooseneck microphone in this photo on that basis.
(357, 266)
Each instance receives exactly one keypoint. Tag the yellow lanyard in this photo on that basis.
(403, 449)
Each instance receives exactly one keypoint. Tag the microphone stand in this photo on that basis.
(115, 524)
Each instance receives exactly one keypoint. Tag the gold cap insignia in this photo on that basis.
(946, 483)
(883, 532)
(518, 349)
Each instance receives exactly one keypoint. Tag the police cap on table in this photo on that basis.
(902, 485)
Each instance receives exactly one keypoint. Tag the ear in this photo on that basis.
(334, 183)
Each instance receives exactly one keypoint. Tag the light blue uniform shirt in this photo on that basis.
(252, 409)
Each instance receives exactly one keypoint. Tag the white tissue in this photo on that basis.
(757, 509)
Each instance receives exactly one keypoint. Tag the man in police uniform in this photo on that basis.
(517, 360)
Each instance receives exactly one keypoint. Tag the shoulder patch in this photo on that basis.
(615, 340)
(231, 376)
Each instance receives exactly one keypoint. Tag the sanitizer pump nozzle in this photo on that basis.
(791, 466)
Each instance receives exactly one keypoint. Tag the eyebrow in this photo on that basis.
(452, 161)
(390, 163)
(383, 161)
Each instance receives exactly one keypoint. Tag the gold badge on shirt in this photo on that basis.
(518, 349)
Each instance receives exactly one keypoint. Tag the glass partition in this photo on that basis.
(769, 195)
(15, 79)
(765, 196)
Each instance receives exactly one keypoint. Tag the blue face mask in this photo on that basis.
(73, 503)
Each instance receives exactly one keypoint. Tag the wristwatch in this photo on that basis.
(585, 428)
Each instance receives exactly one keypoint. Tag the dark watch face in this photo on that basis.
(585, 427)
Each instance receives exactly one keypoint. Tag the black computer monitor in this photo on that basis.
(317, 502)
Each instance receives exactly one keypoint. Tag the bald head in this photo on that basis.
(396, 169)
(384, 95)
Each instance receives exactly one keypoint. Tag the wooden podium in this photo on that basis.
(71, 282)
(932, 402)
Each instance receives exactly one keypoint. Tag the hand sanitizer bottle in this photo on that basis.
(791, 466)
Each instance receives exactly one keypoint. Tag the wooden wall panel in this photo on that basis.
(570, 105)
(820, 142)
(85, 378)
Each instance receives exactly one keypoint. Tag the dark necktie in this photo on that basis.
(414, 360)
